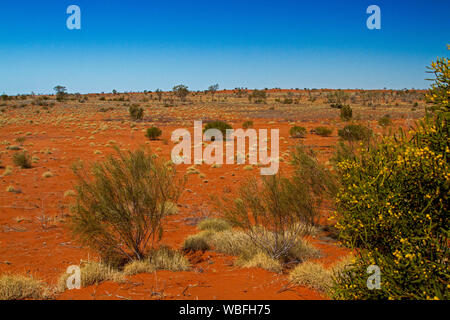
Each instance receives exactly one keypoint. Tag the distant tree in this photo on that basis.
(181, 91)
(213, 88)
(114, 91)
(61, 92)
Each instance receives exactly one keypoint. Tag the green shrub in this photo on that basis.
(117, 210)
(22, 159)
(393, 208)
(323, 131)
(273, 212)
(247, 124)
(153, 133)
(219, 125)
(136, 112)
(346, 113)
(355, 132)
(297, 132)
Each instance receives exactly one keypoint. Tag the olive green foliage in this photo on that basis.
(297, 132)
(119, 207)
(153, 133)
(346, 113)
(22, 159)
(323, 131)
(247, 124)
(136, 112)
(181, 91)
(355, 132)
(219, 125)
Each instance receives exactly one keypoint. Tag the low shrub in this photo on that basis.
(22, 159)
(355, 132)
(247, 124)
(136, 112)
(297, 132)
(396, 195)
(153, 133)
(323, 131)
(117, 210)
(219, 125)
(346, 113)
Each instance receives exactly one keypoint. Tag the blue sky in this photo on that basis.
(143, 45)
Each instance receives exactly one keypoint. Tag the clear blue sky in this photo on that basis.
(143, 45)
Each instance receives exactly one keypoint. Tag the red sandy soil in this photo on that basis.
(44, 250)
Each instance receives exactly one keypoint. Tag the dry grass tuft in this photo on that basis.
(16, 287)
(312, 275)
(162, 259)
(198, 242)
(93, 273)
(315, 276)
(214, 224)
(261, 260)
(136, 267)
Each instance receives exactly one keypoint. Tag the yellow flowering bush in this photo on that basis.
(393, 208)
